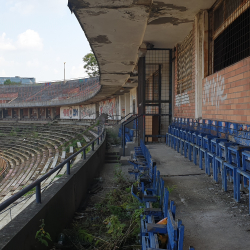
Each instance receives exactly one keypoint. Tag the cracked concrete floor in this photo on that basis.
(212, 219)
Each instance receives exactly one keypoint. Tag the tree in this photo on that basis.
(9, 82)
(91, 65)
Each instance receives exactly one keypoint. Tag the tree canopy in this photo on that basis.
(90, 64)
(9, 82)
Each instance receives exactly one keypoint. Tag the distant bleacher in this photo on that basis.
(48, 92)
(32, 150)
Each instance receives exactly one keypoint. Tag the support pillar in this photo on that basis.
(121, 106)
(201, 65)
(97, 110)
(52, 113)
(29, 111)
(127, 103)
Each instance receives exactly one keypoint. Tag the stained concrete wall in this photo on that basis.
(59, 202)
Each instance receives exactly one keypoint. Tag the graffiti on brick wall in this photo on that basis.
(69, 112)
(88, 111)
(108, 107)
(181, 99)
(213, 91)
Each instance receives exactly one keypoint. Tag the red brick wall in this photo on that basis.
(185, 110)
(226, 94)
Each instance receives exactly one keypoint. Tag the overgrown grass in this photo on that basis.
(32, 191)
(113, 137)
(113, 223)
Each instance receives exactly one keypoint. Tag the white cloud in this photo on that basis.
(24, 7)
(33, 63)
(6, 43)
(2, 73)
(2, 60)
(30, 39)
(77, 71)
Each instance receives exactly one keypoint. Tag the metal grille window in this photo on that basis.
(229, 33)
(156, 93)
(184, 61)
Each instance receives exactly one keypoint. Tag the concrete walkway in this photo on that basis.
(212, 219)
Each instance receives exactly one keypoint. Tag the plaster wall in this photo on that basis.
(133, 100)
(71, 112)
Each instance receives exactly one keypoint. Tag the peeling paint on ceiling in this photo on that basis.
(99, 39)
(172, 20)
(93, 13)
(162, 5)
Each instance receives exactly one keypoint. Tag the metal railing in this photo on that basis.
(123, 130)
(37, 183)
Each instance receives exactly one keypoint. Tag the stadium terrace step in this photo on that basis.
(32, 151)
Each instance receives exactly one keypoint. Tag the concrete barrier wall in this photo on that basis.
(59, 202)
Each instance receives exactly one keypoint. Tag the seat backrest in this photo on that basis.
(223, 129)
(214, 128)
(207, 126)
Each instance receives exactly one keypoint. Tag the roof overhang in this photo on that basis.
(119, 31)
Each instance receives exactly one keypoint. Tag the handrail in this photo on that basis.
(37, 183)
(123, 131)
(126, 116)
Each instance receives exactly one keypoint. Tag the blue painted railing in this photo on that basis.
(37, 183)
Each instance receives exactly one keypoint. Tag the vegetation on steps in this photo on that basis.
(112, 223)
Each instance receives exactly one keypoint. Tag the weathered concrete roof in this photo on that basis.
(117, 28)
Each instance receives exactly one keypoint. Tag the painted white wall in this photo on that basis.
(71, 112)
(127, 103)
(133, 96)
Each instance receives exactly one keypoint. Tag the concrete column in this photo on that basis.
(127, 103)
(97, 110)
(37, 111)
(52, 112)
(19, 113)
(122, 105)
(201, 53)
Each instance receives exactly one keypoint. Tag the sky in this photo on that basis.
(37, 37)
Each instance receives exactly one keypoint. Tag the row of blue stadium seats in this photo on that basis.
(223, 146)
(159, 227)
(129, 134)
